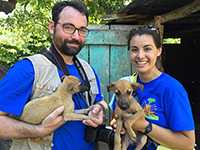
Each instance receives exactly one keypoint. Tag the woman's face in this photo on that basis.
(144, 53)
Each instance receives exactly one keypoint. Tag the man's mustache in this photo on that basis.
(72, 42)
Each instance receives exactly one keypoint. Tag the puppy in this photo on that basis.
(38, 109)
(127, 111)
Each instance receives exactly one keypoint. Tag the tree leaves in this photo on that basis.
(24, 31)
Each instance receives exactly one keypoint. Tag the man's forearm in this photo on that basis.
(11, 128)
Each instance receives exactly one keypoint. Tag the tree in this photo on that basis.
(24, 31)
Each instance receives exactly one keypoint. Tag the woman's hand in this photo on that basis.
(113, 124)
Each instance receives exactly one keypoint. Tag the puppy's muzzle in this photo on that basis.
(124, 105)
(84, 87)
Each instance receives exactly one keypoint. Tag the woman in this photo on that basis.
(169, 121)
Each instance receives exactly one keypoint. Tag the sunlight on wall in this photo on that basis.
(172, 41)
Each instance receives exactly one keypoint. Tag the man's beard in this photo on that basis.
(64, 49)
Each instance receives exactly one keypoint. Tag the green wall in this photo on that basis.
(106, 50)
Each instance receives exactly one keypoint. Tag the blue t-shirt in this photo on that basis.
(166, 103)
(16, 90)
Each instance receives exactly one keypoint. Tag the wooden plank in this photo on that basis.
(84, 53)
(98, 27)
(99, 60)
(120, 65)
(113, 37)
(124, 27)
(181, 12)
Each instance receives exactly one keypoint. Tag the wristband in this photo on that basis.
(148, 128)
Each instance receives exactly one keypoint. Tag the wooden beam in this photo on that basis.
(7, 6)
(181, 12)
(157, 23)
(160, 27)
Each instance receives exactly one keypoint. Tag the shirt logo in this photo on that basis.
(150, 109)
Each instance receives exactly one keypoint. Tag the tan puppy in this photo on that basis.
(127, 111)
(38, 109)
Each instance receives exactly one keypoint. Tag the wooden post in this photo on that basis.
(157, 23)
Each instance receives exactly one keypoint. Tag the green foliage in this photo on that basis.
(24, 31)
(100, 8)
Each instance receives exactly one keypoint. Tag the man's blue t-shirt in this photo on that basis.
(166, 104)
(16, 90)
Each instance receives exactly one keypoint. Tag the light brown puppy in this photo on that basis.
(127, 111)
(38, 109)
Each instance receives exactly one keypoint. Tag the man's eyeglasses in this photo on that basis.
(71, 29)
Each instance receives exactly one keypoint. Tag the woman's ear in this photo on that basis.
(159, 51)
(51, 27)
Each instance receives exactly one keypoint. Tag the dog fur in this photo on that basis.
(38, 109)
(127, 111)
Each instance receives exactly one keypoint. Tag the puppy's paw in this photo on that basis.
(133, 138)
(38, 140)
(75, 117)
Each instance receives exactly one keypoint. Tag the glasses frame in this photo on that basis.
(74, 29)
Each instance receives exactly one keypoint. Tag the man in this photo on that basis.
(38, 75)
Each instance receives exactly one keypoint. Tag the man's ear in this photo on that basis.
(51, 27)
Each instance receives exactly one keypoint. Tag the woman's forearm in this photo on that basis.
(175, 140)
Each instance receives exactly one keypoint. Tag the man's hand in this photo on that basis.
(51, 122)
(96, 114)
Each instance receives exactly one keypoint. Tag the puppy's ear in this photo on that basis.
(111, 87)
(136, 85)
(63, 78)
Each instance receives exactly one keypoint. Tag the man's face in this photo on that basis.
(67, 43)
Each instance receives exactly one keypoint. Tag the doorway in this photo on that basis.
(182, 61)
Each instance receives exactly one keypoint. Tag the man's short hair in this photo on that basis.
(58, 7)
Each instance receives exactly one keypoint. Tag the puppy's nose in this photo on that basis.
(123, 105)
(83, 88)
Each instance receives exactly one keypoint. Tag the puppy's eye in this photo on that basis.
(129, 91)
(117, 92)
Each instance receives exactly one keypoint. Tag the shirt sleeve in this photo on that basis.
(178, 110)
(16, 87)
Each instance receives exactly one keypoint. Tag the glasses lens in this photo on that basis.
(69, 28)
(83, 31)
